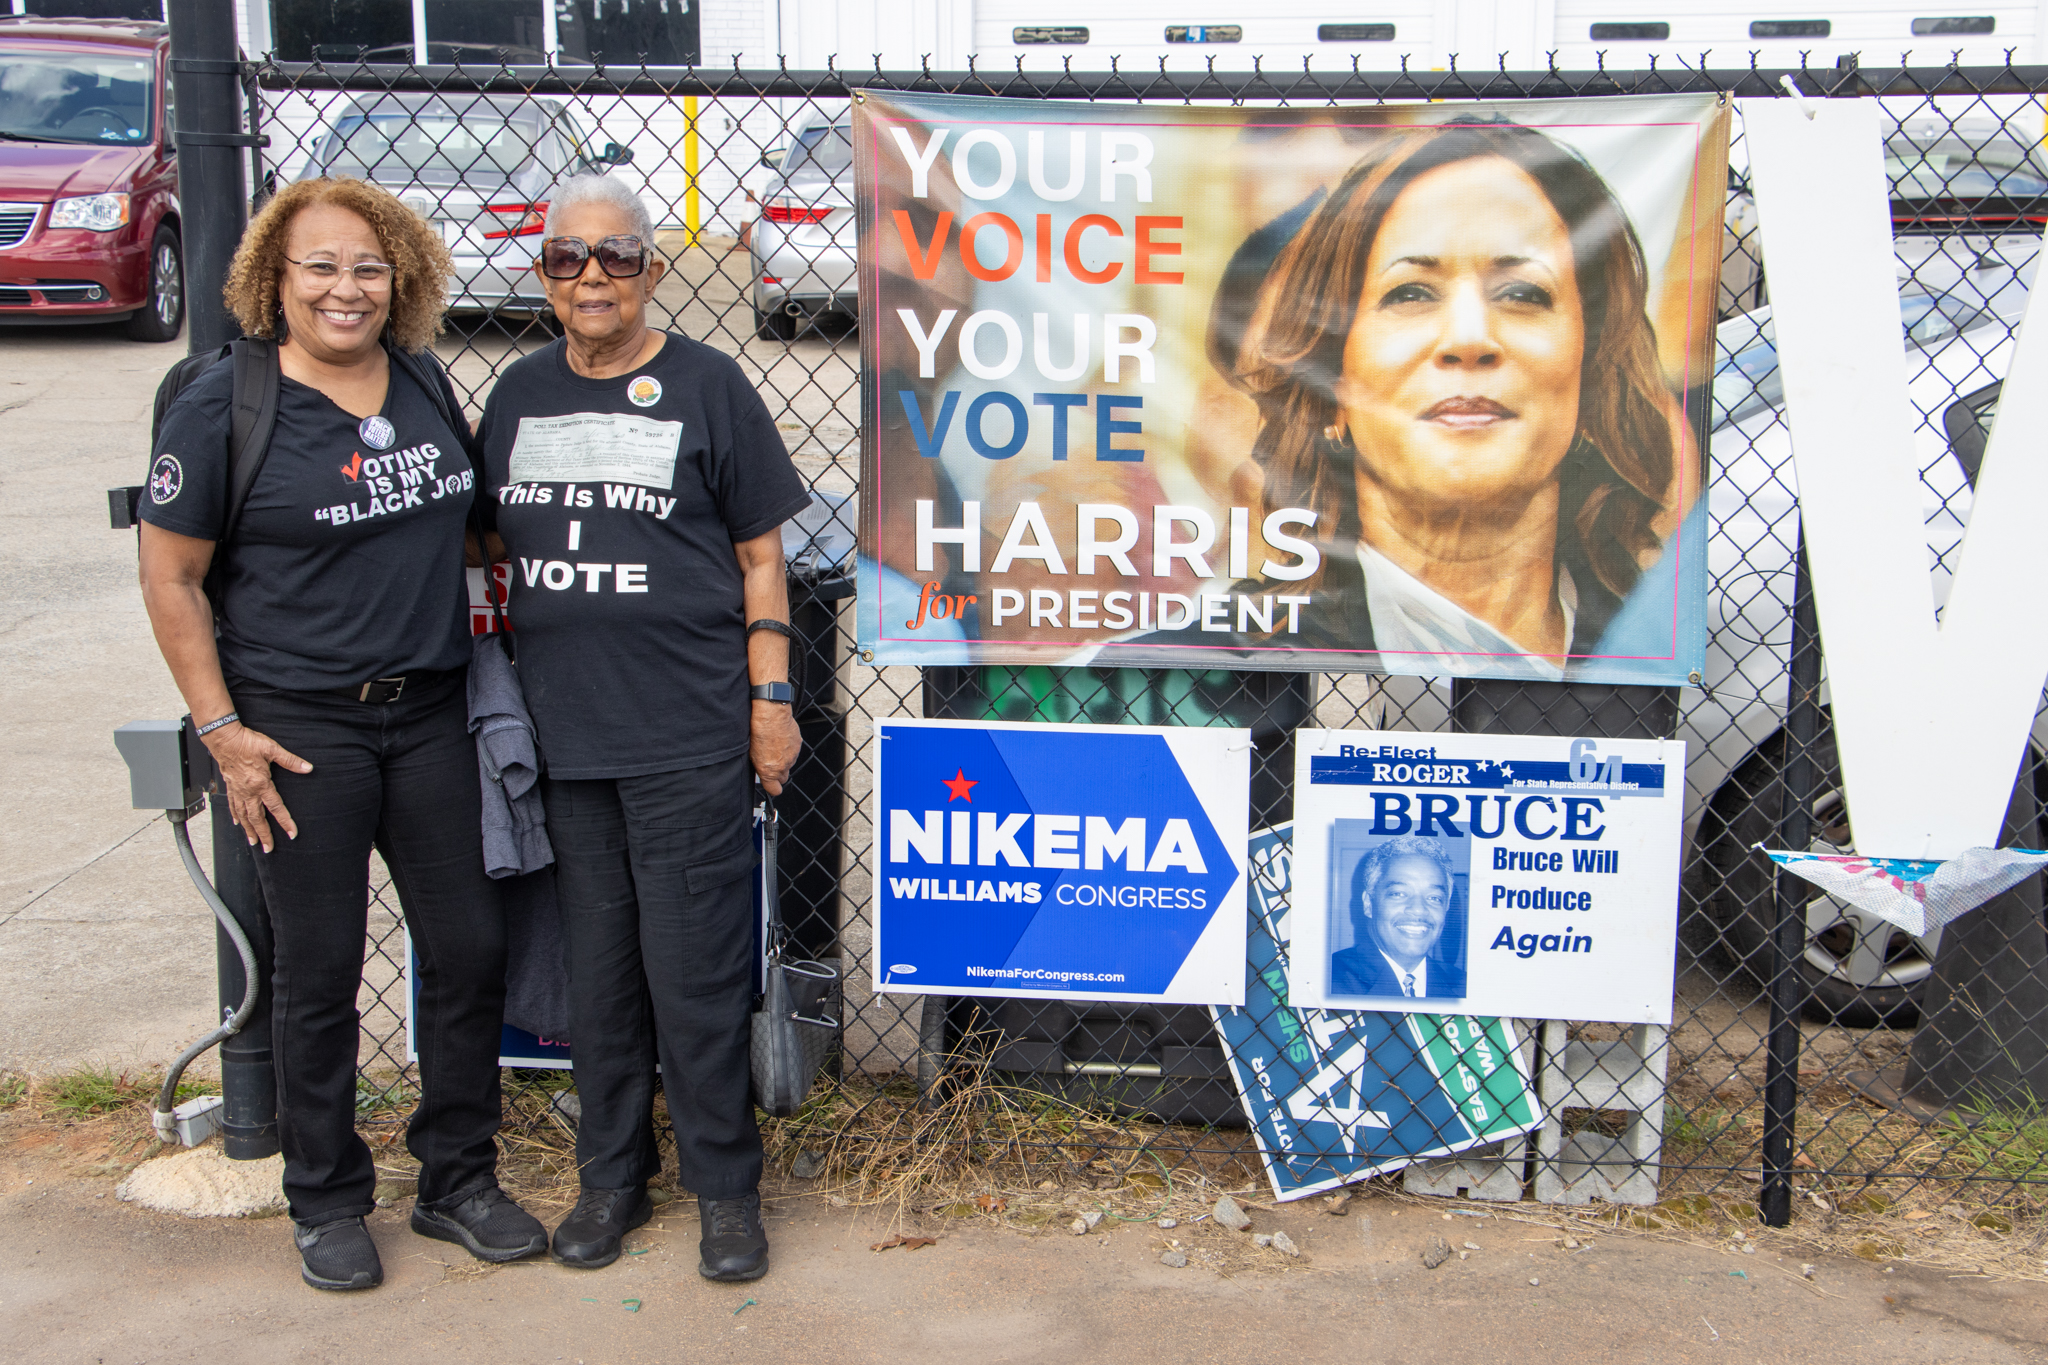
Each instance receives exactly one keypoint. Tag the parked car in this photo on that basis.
(802, 246)
(1858, 968)
(1965, 196)
(480, 168)
(89, 224)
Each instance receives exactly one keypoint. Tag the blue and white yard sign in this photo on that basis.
(1095, 862)
(1338, 1095)
(1529, 876)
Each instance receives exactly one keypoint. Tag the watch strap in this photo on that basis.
(779, 627)
(773, 691)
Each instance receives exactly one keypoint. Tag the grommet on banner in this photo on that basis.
(1806, 106)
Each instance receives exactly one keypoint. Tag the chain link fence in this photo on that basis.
(1815, 1050)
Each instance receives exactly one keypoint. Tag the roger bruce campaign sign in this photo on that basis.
(1096, 862)
(1533, 877)
(1338, 1095)
(1401, 388)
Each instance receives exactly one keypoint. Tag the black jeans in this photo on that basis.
(657, 921)
(401, 776)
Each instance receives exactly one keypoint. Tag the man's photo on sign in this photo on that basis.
(1397, 913)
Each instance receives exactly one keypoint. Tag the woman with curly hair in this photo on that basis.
(323, 657)
(1456, 374)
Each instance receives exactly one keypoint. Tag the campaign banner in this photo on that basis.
(1520, 875)
(1339, 1095)
(1415, 388)
(1085, 862)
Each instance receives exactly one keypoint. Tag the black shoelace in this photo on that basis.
(729, 1218)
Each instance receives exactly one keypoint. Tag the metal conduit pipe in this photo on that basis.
(162, 1119)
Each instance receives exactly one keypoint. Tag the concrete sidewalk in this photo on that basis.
(105, 952)
(85, 1278)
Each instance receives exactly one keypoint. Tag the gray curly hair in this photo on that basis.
(1365, 878)
(578, 190)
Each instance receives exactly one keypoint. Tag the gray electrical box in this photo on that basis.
(157, 771)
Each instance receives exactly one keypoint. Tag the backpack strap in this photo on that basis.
(252, 417)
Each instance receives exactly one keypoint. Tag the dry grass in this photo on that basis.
(984, 1149)
(1962, 1198)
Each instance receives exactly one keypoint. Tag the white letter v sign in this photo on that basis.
(1931, 721)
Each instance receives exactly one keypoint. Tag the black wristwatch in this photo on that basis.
(773, 691)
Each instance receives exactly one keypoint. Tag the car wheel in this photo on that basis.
(1857, 969)
(164, 314)
(774, 325)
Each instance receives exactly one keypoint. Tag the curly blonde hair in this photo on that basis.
(419, 287)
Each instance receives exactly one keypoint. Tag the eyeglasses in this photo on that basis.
(368, 274)
(563, 258)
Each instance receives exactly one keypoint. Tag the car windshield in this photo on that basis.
(1748, 379)
(404, 143)
(1951, 167)
(75, 96)
(829, 150)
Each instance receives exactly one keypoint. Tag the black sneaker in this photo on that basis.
(734, 1247)
(338, 1255)
(487, 1224)
(590, 1237)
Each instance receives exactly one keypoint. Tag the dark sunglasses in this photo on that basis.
(563, 258)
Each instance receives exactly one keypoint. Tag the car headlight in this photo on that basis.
(93, 212)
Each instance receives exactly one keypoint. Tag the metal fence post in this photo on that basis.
(248, 1079)
(1788, 935)
(206, 75)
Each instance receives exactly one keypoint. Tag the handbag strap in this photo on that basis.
(771, 892)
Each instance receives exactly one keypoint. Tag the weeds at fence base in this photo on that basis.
(90, 1091)
(980, 1145)
(1967, 1197)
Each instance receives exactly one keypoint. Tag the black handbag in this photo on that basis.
(796, 1022)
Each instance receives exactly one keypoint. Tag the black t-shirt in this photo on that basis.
(346, 564)
(620, 501)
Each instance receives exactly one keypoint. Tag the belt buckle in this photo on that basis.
(396, 686)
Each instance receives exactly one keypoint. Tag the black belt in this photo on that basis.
(383, 691)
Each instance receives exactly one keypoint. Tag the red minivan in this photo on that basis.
(89, 176)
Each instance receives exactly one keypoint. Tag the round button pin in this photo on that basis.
(645, 391)
(377, 432)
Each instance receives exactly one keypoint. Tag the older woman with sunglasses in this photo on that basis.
(321, 640)
(639, 486)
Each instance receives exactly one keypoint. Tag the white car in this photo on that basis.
(480, 168)
(1858, 969)
(802, 246)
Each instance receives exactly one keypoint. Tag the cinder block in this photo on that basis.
(1589, 1166)
(1627, 1074)
(1495, 1174)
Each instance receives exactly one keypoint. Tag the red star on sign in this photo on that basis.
(958, 785)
